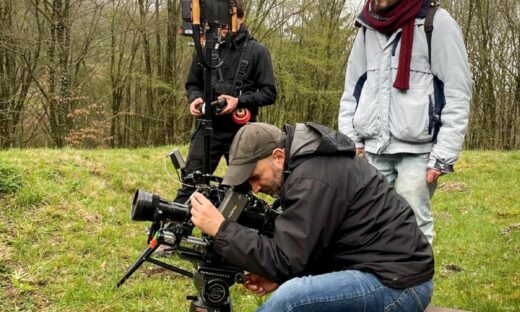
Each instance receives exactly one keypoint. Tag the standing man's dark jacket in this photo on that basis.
(258, 85)
(338, 213)
(257, 89)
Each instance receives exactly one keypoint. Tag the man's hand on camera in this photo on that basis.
(259, 285)
(204, 215)
(195, 107)
(232, 103)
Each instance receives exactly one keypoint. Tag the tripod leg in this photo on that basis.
(146, 254)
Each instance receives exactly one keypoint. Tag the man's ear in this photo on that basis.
(279, 155)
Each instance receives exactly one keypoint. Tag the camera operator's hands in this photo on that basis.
(204, 215)
(232, 103)
(195, 107)
(259, 285)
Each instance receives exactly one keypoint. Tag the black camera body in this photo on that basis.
(241, 207)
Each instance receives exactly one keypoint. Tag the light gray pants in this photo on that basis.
(410, 172)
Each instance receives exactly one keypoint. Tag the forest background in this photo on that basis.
(92, 75)
(111, 73)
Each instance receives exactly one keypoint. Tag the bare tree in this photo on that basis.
(122, 58)
(18, 58)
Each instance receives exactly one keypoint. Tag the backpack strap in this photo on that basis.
(439, 100)
(428, 26)
(240, 74)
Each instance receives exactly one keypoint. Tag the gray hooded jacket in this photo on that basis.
(385, 120)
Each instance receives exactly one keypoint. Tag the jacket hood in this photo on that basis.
(309, 139)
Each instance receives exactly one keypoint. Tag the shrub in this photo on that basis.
(10, 179)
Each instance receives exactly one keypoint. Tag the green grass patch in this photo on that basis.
(66, 237)
(10, 179)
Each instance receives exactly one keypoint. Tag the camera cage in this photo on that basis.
(171, 226)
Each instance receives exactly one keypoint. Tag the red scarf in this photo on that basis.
(403, 15)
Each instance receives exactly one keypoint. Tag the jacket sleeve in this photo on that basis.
(356, 68)
(450, 64)
(302, 231)
(263, 76)
(195, 82)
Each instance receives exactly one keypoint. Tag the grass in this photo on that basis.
(66, 237)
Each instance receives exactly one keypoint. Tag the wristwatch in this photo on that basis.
(443, 167)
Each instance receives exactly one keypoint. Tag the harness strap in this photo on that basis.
(240, 74)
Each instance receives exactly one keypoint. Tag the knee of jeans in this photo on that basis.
(283, 298)
(420, 203)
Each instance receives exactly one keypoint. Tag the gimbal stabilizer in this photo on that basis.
(171, 223)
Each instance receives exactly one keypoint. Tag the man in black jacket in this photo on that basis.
(245, 80)
(345, 240)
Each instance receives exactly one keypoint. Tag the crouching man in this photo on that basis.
(346, 241)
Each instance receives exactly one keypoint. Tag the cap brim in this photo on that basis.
(238, 174)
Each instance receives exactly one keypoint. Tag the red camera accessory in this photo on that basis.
(241, 116)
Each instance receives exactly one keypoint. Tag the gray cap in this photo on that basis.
(252, 142)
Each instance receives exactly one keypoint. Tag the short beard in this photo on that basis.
(276, 185)
(388, 5)
(278, 182)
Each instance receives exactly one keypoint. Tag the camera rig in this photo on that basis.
(205, 18)
(171, 224)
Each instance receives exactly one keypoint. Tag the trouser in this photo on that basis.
(220, 145)
(410, 172)
(346, 291)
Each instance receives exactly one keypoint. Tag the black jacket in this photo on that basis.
(338, 213)
(258, 85)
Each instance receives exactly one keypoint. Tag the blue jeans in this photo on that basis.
(410, 172)
(346, 291)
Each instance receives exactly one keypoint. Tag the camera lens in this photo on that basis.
(143, 207)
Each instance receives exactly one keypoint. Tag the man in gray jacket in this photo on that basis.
(406, 101)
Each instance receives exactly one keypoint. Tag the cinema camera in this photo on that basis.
(171, 226)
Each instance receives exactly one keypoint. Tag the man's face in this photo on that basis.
(268, 174)
(383, 5)
(224, 30)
